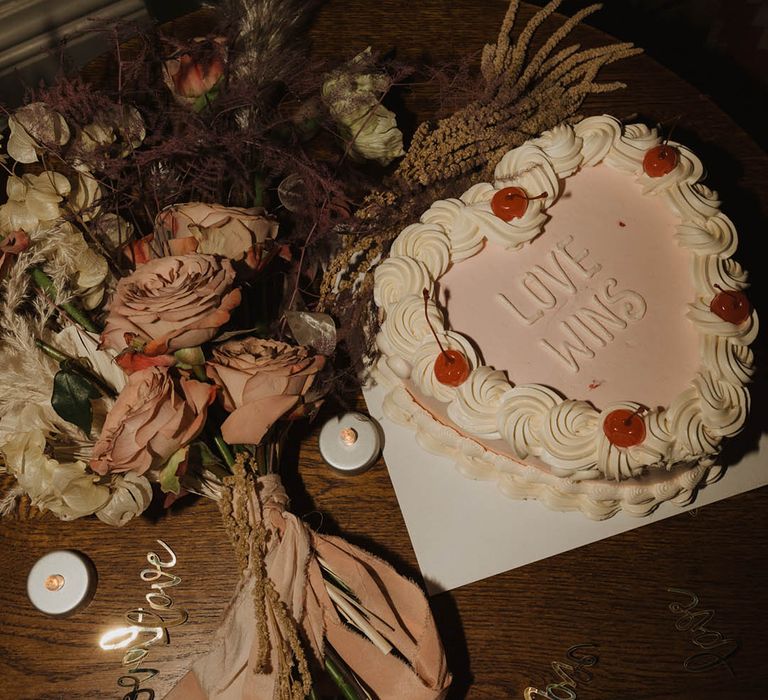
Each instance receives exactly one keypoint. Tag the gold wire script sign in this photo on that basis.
(147, 627)
(570, 675)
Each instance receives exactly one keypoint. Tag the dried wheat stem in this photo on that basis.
(543, 53)
(514, 64)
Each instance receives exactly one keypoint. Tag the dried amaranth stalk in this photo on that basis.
(249, 540)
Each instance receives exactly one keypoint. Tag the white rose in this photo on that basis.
(375, 135)
(131, 495)
(353, 96)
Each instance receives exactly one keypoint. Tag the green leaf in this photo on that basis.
(205, 99)
(71, 399)
(169, 480)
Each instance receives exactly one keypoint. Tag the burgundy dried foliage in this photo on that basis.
(211, 156)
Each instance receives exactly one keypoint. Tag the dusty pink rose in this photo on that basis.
(232, 232)
(261, 380)
(150, 421)
(171, 303)
(196, 70)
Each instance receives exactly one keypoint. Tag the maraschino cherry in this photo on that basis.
(624, 428)
(731, 306)
(451, 366)
(512, 202)
(660, 160)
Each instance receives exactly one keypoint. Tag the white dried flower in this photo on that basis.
(94, 137)
(33, 199)
(76, 342)
(86, 197)
(353, 98)
(114, 229)
(90, 270)
(130, 496)
(33, 128)
(68, 489)
(131, 128)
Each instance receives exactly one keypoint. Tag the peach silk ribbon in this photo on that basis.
(400, 612)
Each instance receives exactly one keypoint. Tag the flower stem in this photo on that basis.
(224, 450)
(76, 365)
(46, 284)
(341, 675)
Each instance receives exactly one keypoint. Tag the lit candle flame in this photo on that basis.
(54, 582)
(348, 436)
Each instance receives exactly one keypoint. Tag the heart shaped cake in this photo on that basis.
(576, 329)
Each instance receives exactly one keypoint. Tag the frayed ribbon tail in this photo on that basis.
(281, 616)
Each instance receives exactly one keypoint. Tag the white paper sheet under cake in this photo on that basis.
(464, 530)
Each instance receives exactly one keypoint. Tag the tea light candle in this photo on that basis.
(350, 443)
(61, 582)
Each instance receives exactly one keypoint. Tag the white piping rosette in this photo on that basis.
(423, 363)
(686, 422)
(522, 413)
(476, 402)
(620, 463)
(461, 227)
(568, 442)
(562, 146)
(527, 166)
(628, 150)
(597, 135)
(687, 170)
(427, 243)
(731, 362)
(693, 201)
(406, 324)
(717, 274)
(511, 234)
(709, 323)
(715, 236)
(724, 406)
(396, 278)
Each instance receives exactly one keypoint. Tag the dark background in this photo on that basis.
(719, 46)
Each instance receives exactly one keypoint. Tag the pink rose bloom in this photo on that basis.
(150, 421)
(171, 303)
(261, 380)
(196, 70)
(231, 232)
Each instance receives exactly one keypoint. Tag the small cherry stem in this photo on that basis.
(636, 412)
(675, 122)
(543, 195)
(724, 291)
(425, 294)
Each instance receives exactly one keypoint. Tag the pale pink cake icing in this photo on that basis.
(596, 299)
(642, 256)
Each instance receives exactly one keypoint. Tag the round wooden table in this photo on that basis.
(504, 633)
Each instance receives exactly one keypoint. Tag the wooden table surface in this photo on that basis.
(501, 634)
